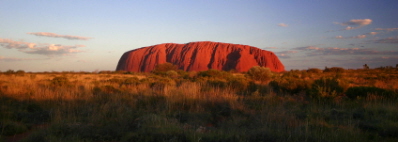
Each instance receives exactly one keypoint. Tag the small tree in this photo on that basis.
(365, 66)
(261, 74)
(10, 72)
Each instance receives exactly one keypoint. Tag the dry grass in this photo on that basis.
(147, 107)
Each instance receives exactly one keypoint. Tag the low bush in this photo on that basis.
(290, 85)
(239, 84)
(131, 81)
(171, 74)
(161, 69)
(334, 69)
(60, 81)
(314, 70)
(261, 74)
(218, 83)
(363, 92)
(9, 72)
(325, 88)
(212, 73)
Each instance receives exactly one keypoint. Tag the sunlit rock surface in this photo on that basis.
(199, 56)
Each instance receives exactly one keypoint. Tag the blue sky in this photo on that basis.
(42, 35)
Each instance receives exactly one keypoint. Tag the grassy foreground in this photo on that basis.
(309, 105)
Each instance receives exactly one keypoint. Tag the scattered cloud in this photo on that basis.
(270, 47)
(282, 25)
(386, 29)
(354, 37)
(308, 48)
(7, 43)
(360, 22)
(387, 40)
(43, 49)
(350, 28)
(70, 37)
(355, 23)
(313, 51)
(339, 37)
(373, 33)
(359, 36)
(54, 49)
(285, 54)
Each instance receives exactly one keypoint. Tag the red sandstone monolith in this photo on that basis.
(199, 56)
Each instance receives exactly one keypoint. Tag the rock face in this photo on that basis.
(199, 56)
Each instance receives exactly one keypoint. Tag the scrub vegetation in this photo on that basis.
(333, 104)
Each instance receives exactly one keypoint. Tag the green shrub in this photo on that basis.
(334, 69)
(131, 81)
(105, 72)
(212, 73)
(9, 72)
(120, 72)
(60, 81)
(240, 84)
(171, 74)
(20, 72)
(260, 74)
(292, 74)
(216, 82)
(314, 70)
(116, 80)
(363, 92)
(325, 88)
(164, 67)
(290, 85)
(110, 89)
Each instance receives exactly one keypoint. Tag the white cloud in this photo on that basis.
(351, 28)
(355, 23)
(70, 37)
(285, 54)
(354, 37)
(373, 33)
(282, 25)
(339, 37)
(44, 49)
(360, 22)
(359, 36)
(7, 43)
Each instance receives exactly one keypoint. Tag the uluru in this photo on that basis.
(199, 56)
